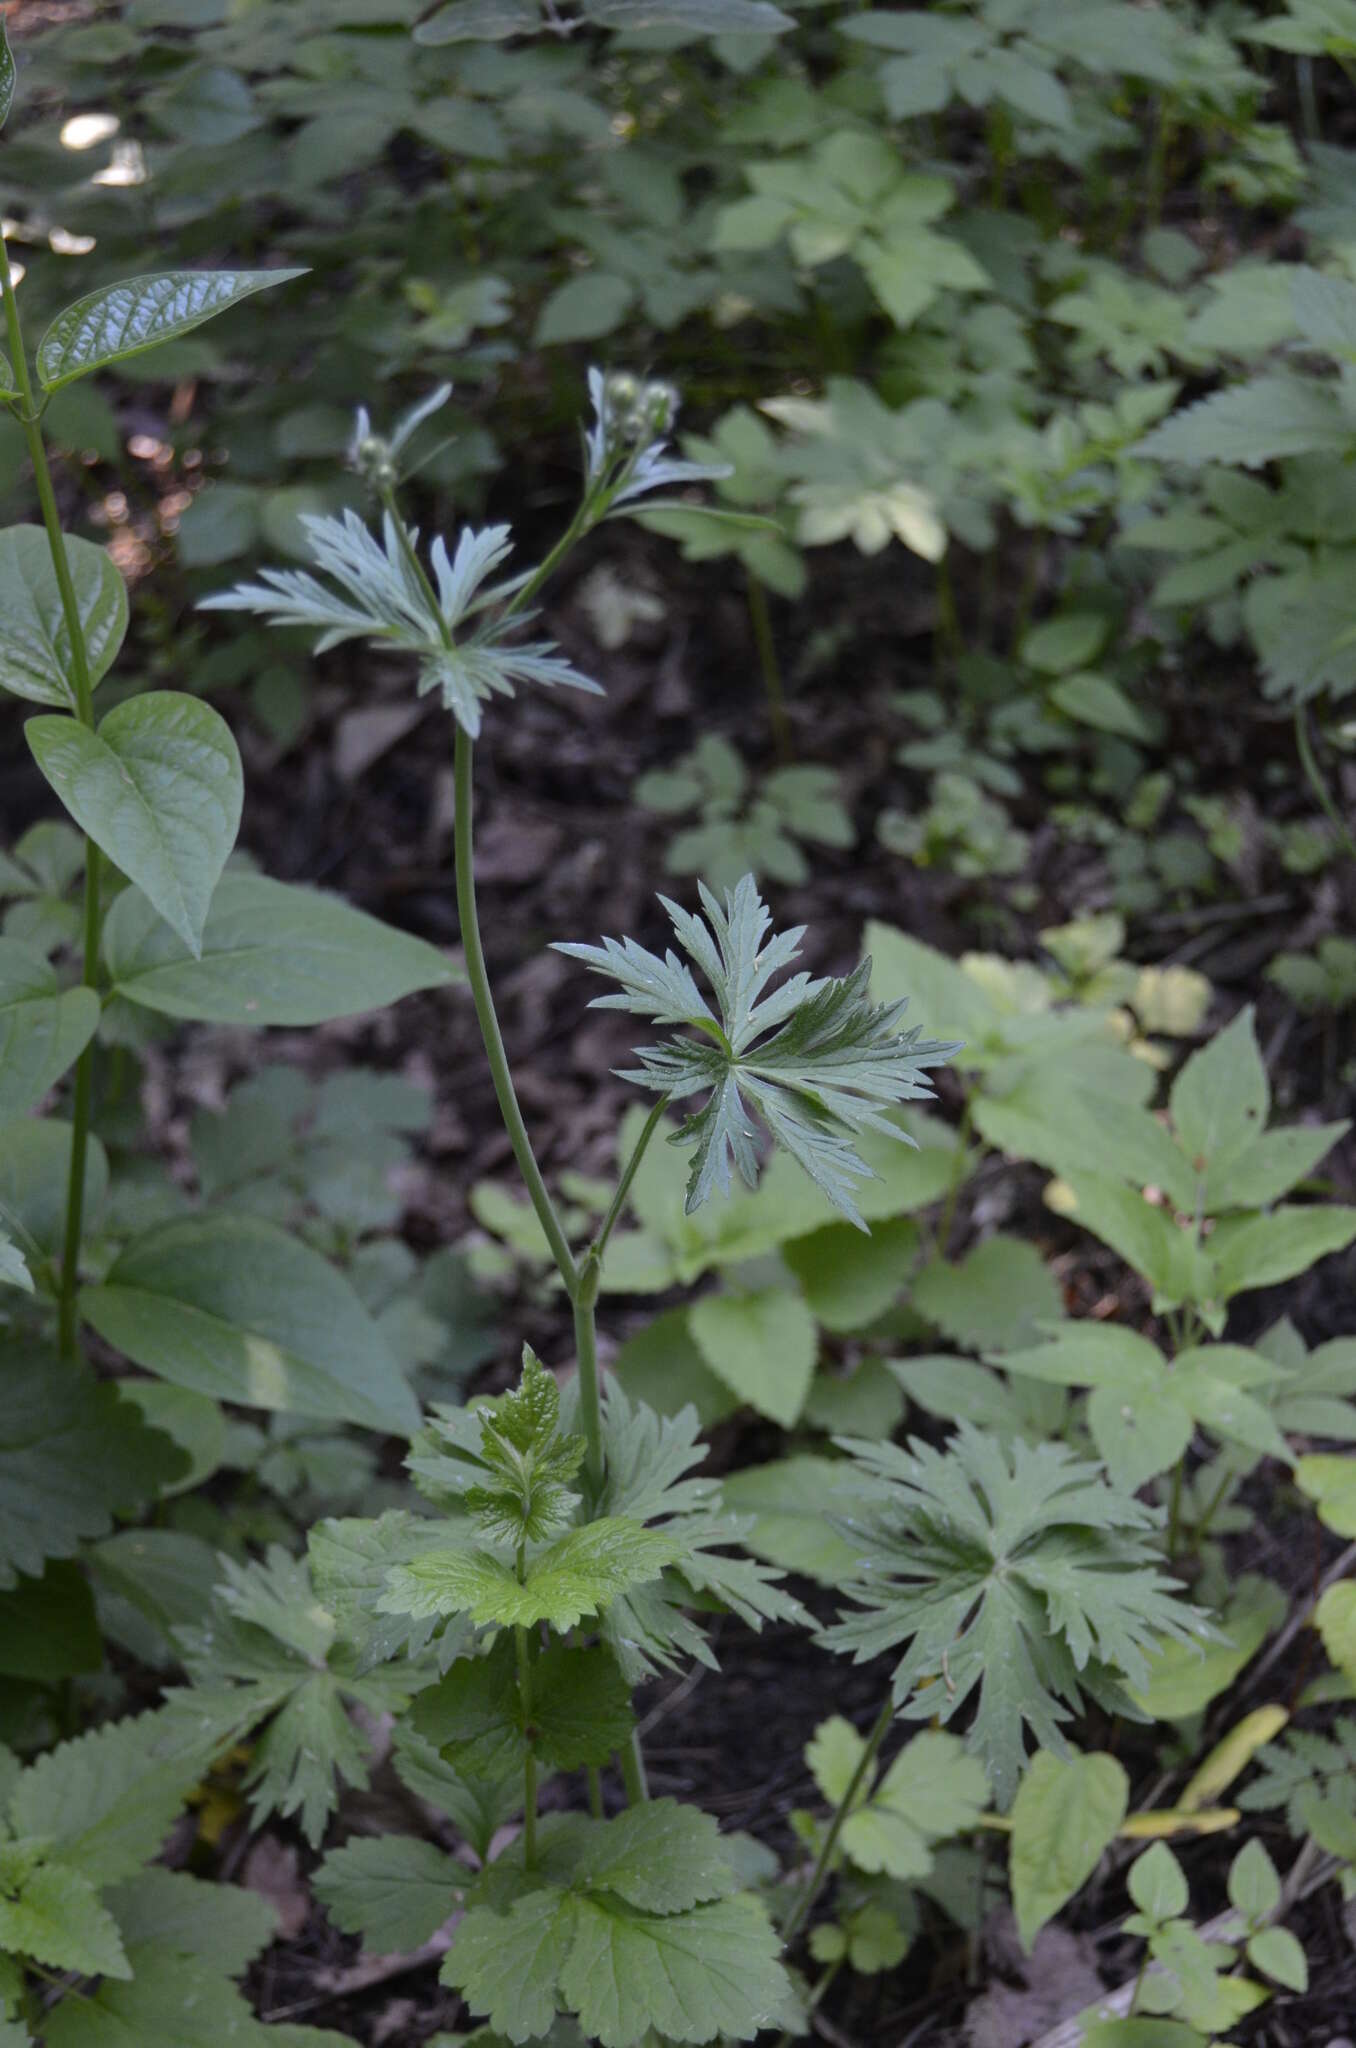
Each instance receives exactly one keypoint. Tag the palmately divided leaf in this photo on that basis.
(271, 1653)
(394, 1890)
(637, 1926)
(523, 1463)
(833, 1064)
(1016, 1575)
(649, 1460)
(385, 599)
(126, 319)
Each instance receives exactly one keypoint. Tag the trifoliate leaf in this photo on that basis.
(394, 1890)
(508, 1965)
(387, 599)
(833, 1064)
(1018, 1577)
(931, 1790)
(579, 1574)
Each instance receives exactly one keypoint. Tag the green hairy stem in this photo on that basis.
(29, 418)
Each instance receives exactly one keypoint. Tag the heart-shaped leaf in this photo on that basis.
(35, 648)
(126, 319)
(159, 787)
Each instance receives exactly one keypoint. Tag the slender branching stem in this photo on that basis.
(599, 1246)
(760, 618)
(632, 1763)
(1314, 776)
(814, 1883)
(83, 1101)
(481, 995)
(1175, 1506)
(586, 1357)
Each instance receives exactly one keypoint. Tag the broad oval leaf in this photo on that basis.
(35, 650)
(43, 1027)
(236, 1308)
(699, 17)
(272, 953)
(479, 21)
(1064, 1816)
(127, 319)
(73, 1454)
(6, 75)
(159, 787)
(35, 1165)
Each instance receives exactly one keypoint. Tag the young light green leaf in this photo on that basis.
(579, 1574)
(1254, 1884)
(35, 652)
(159, 787)
(1063, 1817)
(125, 319)
(931, 1790)
(1157, 1885)
(1221, 1098)
(43, 1027)
(394, 1890)
(52, 1913)
(834, 1062)
(272, 953)
(1277, 1954)
(236, 1308)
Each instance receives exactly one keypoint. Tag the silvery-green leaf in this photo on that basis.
(126, 319)
(35, 647)
(159, 787)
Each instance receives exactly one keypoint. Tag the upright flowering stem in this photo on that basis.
(68, 1320)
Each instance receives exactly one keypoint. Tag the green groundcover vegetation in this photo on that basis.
(1045, 313)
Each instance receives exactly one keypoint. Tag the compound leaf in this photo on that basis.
(833, 1064)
